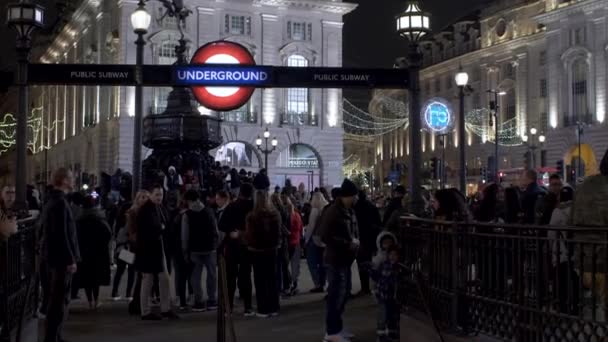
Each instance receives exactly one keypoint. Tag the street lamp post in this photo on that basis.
(532, 144)
(496, 137)
(266, 150)
(462, 78)
(24, 17)
(140, 20)
(580, 128)
(413, 24)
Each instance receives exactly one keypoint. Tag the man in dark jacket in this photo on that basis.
(60, 252)
(395, 204)
(152, 220)
(340, 233)
(199, 242)
(368, 219)
(530, 196)
(238, 262)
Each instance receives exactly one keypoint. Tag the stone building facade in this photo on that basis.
(90, 129)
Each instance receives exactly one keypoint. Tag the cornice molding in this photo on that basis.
(582, 6)
(320, 5)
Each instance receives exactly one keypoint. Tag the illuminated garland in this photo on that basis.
(35, 126)
(508, 132)
(359, 124)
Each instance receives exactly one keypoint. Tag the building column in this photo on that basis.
(554, 67)
(600, 69)
(522, 93)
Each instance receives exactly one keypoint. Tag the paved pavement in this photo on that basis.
(301, 320)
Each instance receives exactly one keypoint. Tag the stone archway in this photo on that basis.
(588, 158)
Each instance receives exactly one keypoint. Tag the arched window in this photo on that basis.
(510, 105)
(296, 111)
(580, 108)
(236, 154)
(298, 156)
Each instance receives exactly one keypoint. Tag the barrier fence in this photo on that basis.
(18, 282)
(516, 283)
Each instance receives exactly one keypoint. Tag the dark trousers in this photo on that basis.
(134, 307)
(45, 286)
(388, 317)
(314, 259)
(121, 267)
(282, 275)
(183, 270)
(337, 294)
(264, 274)
(59, 299)
(92, 293)
(238, 272)
(364, 257)
(568, 288)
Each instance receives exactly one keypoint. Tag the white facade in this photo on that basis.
(91, 128)
(550, 59)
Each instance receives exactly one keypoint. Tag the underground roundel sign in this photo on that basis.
(222, 98)
(437, 115)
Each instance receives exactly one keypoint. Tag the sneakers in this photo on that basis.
(261, 315)
(335, 338)
(151, 317)
(199, 307)
(249, 313)
(274, 314)
(116, 298)
(170, 315)
(211, 305)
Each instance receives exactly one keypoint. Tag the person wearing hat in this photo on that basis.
(340, 233)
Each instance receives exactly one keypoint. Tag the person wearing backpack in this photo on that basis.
(199, 243)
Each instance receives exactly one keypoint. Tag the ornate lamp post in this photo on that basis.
(413, 24)
(533, 144)
(24, 17)
(266, 150)
(462, 78)
(140, 21)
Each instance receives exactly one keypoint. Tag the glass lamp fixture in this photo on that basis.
(266, 134)
(25, 17)
(533, 131)
(258, 141)
(413, 23)
(524, 138)
(541, 138)
(275, 142)
(141, 19)
(462, 78)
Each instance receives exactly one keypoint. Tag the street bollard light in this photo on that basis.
(24, 17)
(140, 21)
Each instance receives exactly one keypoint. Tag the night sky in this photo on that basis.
(370, 39)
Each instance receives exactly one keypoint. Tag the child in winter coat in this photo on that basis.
(384, 241)
(386, 277)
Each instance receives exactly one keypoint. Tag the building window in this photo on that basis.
(437, 85)
(167, 53)
(580, 106)
(169, 22)
(543, 121)
(578, 36)
(543, 88)
(510, 109)
(427, 87)
(476, 101)
(297, 98)
(237, 24)
(299, 30)
(241, 114)
(476, 74)
(542, 58)
(448, 82)
(508, 70)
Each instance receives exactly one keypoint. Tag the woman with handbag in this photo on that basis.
(141, 198)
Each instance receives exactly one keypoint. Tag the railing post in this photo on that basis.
(455, 288)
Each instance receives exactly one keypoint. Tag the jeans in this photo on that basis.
(283, 276)
(59, 299)
(388, 317)
(337, 294)
(264, 275)
(120, 270)
(209, 262)
(147, 283)
(295, 257)
(314, 259)
(362, 259)
(238, 272)
(183, 274)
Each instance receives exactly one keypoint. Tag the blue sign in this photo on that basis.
(222, 76)
(438, 116)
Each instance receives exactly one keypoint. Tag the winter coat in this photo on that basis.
(559, 218)
(59, 234)
(394, 205)
(295, 235)
(529, 200)
(386, 277)
(8, 225)
(94, 237)
(338, 230)
(234, 219)
(589, 210)
(263, 231)
(382, 255)
(368, 220)
(151, 220)
(198, 230)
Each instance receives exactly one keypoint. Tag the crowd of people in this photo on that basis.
(261, 234)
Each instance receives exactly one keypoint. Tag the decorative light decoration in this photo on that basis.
(413, 24)
(508, 131)
(35, 126)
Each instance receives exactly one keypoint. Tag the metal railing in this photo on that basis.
(18, 282)
(515, 283)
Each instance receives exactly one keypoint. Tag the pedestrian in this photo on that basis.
(530, 196)
(387, 280)
(181, 264)
(150, 259)
(490, 209)
(294, 247)
(283, 274)
(263, 241)
(369, 222)
(450, 205)
(385, 241)
(60, 252)
(199, 243)
(141, 198)
(123, 242)
(341, 237)
(8, 219)
(94, 237)
(550, 201)
(395, 203)
(314, 246)
(232, 223)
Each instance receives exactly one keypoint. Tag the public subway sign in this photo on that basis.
(82, 74)
(437, 115)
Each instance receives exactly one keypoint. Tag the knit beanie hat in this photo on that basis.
(348, 188)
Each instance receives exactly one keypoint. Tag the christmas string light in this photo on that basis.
(477, 122)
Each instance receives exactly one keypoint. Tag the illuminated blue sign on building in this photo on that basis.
(438, 115)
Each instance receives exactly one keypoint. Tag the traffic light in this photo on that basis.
(484, 174)
(435, 168)
(560, 168)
